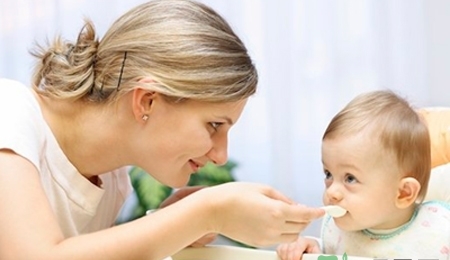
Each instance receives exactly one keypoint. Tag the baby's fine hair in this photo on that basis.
(185, 47)
(399, 128)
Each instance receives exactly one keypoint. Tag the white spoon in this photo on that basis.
(334, 211)
(150, 211)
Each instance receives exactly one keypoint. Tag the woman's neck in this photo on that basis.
(84, 132)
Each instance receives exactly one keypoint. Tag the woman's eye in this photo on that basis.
(350, 178)
(215, 125)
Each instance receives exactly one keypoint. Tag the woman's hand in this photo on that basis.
(295, 250)
(180, 194)
(257, 214)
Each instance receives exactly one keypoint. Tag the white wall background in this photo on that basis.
(313, 56)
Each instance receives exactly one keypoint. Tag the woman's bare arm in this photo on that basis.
(30, 230)
(254, 214)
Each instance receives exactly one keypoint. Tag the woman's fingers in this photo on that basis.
(276, 195)
(296, 213)
(294, 227)
(288, 238)
(303, 214)
(257, 214)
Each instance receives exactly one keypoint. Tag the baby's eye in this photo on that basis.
(327, 175)
(328, 178)
(349, 178)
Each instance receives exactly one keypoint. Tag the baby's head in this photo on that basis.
(376, 156)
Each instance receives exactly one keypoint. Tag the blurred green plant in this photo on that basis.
(150, 192)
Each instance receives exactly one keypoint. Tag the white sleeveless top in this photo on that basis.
(80, 206)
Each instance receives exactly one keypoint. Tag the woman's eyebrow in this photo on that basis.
(227, 119)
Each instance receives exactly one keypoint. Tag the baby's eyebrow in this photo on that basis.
(349, 166)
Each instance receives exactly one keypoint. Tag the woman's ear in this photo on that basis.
(142, 101)
(408, 190)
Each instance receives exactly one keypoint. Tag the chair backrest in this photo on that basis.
(439, 185)
(438, 122)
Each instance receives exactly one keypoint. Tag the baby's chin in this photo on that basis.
(348, 225)
(347, 228)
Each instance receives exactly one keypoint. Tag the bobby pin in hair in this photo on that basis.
(121, 70)
(69, 51)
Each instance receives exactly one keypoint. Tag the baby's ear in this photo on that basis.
(408, 190)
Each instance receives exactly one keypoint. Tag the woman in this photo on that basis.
(160, 90)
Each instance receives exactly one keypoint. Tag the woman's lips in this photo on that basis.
(195, 166)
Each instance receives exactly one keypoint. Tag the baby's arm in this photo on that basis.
(296, 249)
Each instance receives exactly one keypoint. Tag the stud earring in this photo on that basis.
(145, 117)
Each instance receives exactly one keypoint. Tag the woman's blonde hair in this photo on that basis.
(188, 50)
(398, 127)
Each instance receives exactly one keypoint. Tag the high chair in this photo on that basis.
(438, 121)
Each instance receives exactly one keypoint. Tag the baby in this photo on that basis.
(376, 160)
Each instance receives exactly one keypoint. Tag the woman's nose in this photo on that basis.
(219, 152)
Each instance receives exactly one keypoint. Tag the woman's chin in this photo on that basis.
(180, 183)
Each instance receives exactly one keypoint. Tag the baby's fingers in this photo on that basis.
(283, 251)
(291, 251)
(313, 250)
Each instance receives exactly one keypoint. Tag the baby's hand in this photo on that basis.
(296, 249)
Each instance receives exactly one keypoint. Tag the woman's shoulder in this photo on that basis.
(12, 89)
(17, 99)
(22, 123)
(9, 84)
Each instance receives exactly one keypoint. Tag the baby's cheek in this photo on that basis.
(344, 223)
(325, 199)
